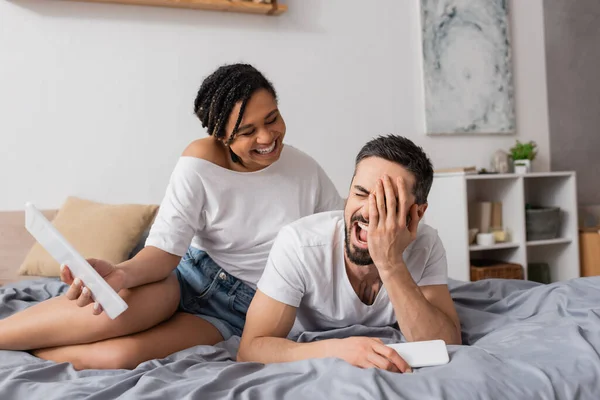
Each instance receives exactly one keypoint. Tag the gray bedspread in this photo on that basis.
(522, 340)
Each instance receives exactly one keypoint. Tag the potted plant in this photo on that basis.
(522, 154)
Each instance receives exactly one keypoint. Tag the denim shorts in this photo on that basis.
(212, 294)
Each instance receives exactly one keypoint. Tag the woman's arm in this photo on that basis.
(151, 264)
(177, 221)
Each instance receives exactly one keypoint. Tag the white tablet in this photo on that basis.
(62, 251)
(422, 354)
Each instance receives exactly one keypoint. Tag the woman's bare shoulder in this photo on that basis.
(206, 149)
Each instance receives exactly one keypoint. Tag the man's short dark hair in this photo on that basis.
(403, 151)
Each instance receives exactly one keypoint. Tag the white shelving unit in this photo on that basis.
(448, 212)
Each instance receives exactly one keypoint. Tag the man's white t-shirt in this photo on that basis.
(235, 216)
(306, 269)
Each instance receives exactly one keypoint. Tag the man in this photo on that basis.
(371, 264)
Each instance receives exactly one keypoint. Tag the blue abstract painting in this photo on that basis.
(467, 67)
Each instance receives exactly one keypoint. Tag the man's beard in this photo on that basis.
(357, 256)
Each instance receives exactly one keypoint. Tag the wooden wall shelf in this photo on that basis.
(239, 6)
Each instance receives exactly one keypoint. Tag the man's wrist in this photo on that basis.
(391, 270)
(330, 347)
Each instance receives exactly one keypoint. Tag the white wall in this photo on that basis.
(96, 99)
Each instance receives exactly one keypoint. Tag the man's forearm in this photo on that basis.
(274, 350)
(418, 319)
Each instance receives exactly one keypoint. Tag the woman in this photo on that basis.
(227, 198)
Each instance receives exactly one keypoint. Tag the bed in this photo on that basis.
(521, 340)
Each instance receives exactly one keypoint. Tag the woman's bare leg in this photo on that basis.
(60, 322)
(178, 333)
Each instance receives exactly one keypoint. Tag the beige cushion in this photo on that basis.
(95, 230)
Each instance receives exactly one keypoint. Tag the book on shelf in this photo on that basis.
(457, 170)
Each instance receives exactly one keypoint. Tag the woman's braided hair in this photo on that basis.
(220, 92)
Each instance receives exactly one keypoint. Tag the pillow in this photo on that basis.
(140, 244)
(105, 231)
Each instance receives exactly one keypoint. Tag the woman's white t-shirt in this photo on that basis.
(235, 216)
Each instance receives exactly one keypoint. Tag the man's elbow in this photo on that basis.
(456, 338)
(451, 335)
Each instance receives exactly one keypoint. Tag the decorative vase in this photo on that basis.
(500, 160)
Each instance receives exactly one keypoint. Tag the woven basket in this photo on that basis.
(486, 269)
